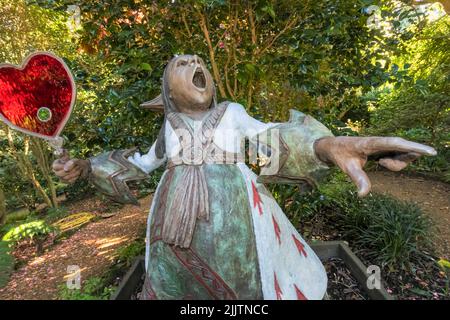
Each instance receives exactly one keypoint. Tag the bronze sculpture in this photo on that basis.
(214, 231)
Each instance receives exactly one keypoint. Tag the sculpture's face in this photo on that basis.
(191, 86)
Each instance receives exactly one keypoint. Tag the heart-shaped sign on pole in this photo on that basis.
(37, 97)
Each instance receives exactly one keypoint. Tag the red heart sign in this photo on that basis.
(37, 98)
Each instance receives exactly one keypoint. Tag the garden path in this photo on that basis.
(92, 248)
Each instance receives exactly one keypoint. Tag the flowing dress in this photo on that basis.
(214, 231)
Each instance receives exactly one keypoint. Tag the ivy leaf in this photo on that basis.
(250, 67)
(269, 10)
(145, 66)
(444, 264)
(420, 292)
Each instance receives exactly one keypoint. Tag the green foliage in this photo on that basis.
(415, 104)
(17, 215)
(392, 233)
(127, 254)
(93, 288)
(6, 263)
(444, 264)
(38, 229)
(53, 214)
(387, 231)
(26, 27)
(2, 207)
(19, 192)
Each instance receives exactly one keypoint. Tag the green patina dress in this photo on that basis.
(221, 260)
(214, 230)
(245, 248)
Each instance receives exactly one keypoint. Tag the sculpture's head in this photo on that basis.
(190, 85)
(187, 87)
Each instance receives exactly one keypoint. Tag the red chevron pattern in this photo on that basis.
(277, 229)
(257, 202)
(278, 291)
(300, 246)
(300, 295)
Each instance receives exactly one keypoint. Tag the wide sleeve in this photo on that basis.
(149, 161)
(110, 171)
(286, 150)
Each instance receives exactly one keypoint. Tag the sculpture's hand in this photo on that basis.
(350, 154)
(69, 170)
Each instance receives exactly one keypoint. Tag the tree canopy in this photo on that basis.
(360, 66)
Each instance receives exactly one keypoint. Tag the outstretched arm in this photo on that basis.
(302, 149)
(350, 154)
(110, 171)
(285, 150)
(147, 162)
(70, 170)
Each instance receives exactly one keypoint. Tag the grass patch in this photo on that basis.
(94, 288)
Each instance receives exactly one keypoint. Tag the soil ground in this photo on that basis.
(92, 248)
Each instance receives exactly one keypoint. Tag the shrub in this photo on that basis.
(17, 215)
(94, 288)
(389, 232)
(385, 230)
(127, 254)
(35, 231)
(30, 230)
(53, 214)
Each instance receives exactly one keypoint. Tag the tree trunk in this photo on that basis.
(215, 68)
(41, 155)
(39, 246)
(2, 207)
(26, 167)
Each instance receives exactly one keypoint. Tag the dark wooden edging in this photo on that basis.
(130, 281)
(339, 249)
(324, 250)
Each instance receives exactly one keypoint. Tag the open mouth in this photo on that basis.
(199, 79)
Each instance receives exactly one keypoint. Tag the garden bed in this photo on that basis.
(342, 285)
(347, 275)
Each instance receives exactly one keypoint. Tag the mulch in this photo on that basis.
(342, 285)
